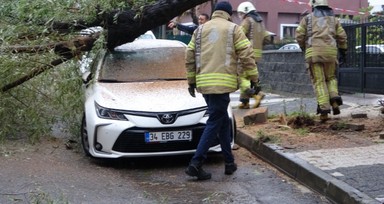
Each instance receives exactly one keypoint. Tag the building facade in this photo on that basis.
(283, 16)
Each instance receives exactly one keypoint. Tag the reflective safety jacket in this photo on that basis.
(320, 35)
(254, 29)
(213, 54)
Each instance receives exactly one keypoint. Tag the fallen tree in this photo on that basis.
(122, 26)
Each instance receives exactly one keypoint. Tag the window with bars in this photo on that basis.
(288, 31)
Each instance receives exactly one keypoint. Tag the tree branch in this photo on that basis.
(122, 30)
(33, 73)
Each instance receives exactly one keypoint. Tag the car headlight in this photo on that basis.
(107, 113)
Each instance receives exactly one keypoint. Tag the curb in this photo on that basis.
(335, 190)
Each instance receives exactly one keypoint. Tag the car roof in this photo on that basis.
(377, 45)
(149, 43)
(147, 35)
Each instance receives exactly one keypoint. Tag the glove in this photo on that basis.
(256, 87)
(343, 56)
(191, 89)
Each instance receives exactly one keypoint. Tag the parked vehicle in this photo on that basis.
(137, 103)
(147, 35)
(371, 49)
(86, 60)
(290, 46)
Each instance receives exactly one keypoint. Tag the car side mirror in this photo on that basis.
(86, 77)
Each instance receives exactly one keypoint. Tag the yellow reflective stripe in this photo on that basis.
(300, 29)
(191, 45)
(308, 52)
(216, 79)
(321, 92)
(242, 44)
(251, 72)
(257, 52)
(326, 51)
(340, 30)
(332, 86)
(216, 83)
(331, 52)
(245, 83)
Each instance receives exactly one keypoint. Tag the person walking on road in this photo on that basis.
(203, 18)
(212, 58)
(320, 36)
(254, 29)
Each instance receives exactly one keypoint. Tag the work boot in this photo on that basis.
(192, 170)
(230, 168)
(335, 103)
(323, 117)
(335, 108)
(244, 106)
(323, 114)
(258, 99)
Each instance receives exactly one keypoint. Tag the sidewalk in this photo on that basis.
(344, 175)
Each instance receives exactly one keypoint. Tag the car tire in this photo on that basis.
(84, 137)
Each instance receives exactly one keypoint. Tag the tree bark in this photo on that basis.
(125, 28)
(79, 44)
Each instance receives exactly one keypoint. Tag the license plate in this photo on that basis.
(166, 136)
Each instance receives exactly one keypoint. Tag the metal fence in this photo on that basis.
(364, 70)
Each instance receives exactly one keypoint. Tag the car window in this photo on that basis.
(289, 47)
(164, 63)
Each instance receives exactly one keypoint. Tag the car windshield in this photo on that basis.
(166, 63)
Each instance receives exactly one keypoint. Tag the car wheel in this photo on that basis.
(84, 136)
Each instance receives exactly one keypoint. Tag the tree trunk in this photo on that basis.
(125, 28)
(67, 50)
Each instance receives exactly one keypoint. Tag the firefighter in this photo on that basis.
(212, 56)
(320, 37)
(253, 28)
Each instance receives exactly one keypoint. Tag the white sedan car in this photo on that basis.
(137, 103)
(291, 46)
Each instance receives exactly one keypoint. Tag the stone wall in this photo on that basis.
(284, 72)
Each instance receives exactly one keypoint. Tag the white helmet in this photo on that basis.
(315, 3)
(246, 7)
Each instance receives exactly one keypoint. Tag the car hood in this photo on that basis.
(161, 96)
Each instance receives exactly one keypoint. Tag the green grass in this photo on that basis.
(261, 136)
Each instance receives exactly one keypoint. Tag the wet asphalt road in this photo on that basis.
(49, 173)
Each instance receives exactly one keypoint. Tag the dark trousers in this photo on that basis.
(218, 126)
